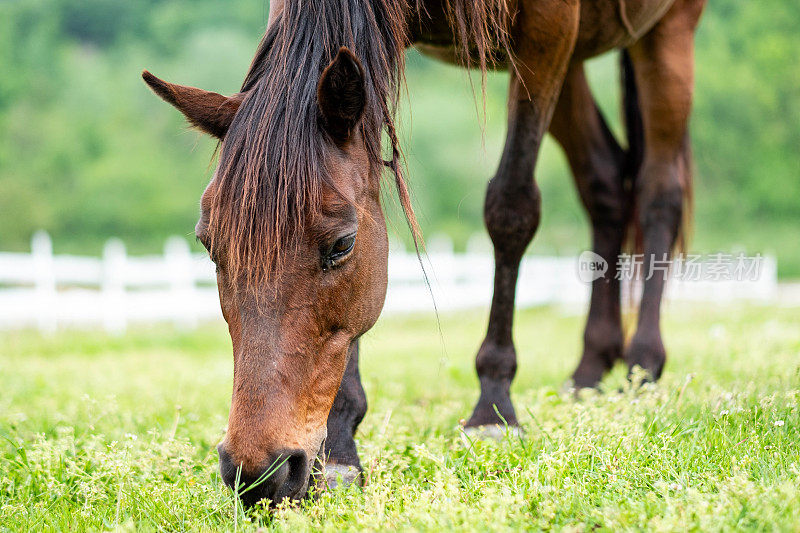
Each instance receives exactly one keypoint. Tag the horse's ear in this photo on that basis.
(341, 95)
(210, 112)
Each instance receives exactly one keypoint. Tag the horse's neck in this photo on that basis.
(427, 20)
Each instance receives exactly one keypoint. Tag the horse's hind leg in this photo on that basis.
(545, 35)
(349, 407)
(663, 63)
(598, 164)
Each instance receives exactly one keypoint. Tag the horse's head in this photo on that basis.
(301, 267)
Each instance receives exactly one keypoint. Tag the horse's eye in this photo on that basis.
(340, 249)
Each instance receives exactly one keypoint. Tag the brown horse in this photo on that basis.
(292, 217)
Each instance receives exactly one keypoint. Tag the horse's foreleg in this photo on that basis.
(511, 213)
(545, 35)
(664, 67)
(598, 163)
(340, 453)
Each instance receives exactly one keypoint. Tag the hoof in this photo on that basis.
(578, 391)
(337, 475)
(491, 432)
(569, 387)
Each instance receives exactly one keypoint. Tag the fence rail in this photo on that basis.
(48, 291)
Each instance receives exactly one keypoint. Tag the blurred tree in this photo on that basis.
(87, 153)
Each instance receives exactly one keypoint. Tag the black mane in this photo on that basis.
(272, 164)
(272, 161)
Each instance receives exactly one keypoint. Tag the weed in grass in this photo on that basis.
(93, 439)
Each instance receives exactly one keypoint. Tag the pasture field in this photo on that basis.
(102, 433)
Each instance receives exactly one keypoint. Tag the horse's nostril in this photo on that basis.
(298, 475)
(285, 476)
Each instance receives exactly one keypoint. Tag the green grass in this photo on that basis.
(106, 433)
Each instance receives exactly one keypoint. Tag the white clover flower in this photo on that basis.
(779, 423)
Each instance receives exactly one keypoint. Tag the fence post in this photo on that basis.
(115, 316)
(178, 258)
(480, 244)
(444, 276)
(45, 276)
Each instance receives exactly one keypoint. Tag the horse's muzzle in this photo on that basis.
(285, 476)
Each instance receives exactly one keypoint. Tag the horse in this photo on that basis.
(292, 216)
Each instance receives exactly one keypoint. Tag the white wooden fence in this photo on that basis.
(50, 291)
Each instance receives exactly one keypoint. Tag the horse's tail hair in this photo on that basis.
(687, 186)
(634, 157)
(634, 126)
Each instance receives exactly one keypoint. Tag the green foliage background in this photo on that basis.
(86, 152)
